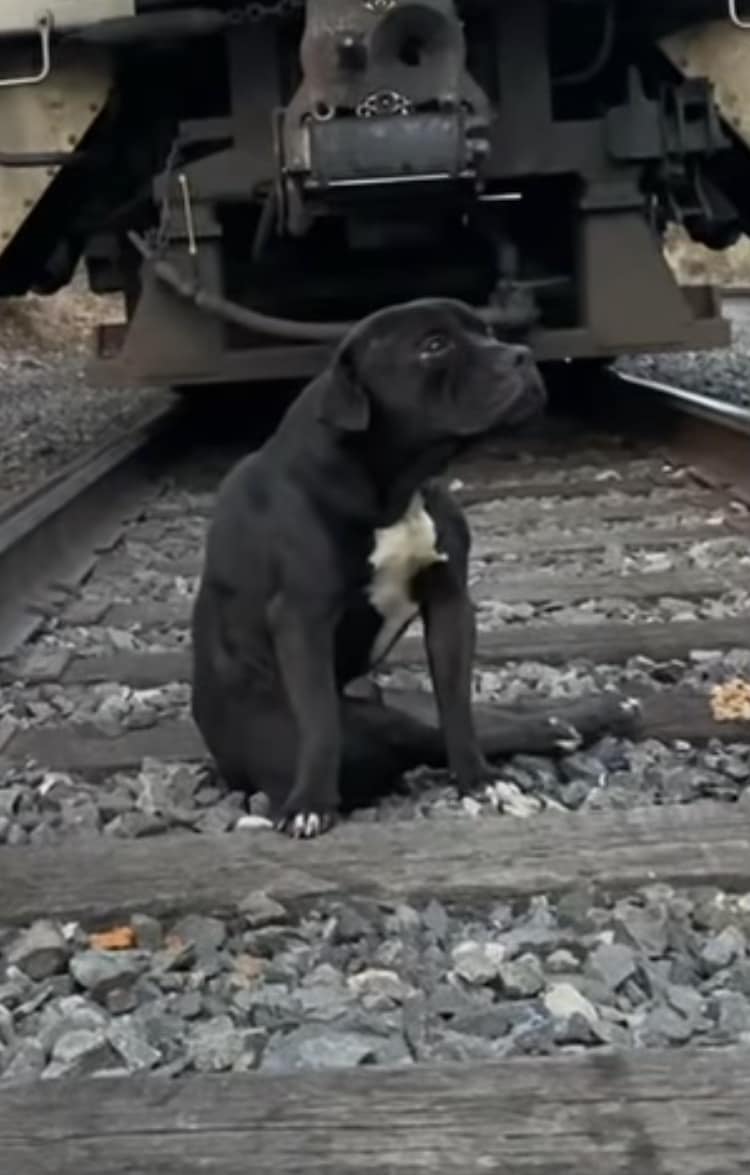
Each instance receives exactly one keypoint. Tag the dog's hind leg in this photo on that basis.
(381, 742)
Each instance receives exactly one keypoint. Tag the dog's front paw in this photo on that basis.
(307, 824)
(469, 777)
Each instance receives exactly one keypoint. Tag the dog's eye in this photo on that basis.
(434, 344)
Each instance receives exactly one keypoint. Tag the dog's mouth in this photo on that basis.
(527, 401)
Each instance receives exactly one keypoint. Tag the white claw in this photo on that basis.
(306, 825)
(568, 745)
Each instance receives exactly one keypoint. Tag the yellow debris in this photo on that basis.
(731, 702)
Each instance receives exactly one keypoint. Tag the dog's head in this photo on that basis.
(427, 373)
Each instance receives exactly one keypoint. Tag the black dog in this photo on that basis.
(324, 546)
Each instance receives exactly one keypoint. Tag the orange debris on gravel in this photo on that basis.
(120, 938)
(731, 702)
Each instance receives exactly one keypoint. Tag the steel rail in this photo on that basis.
(48, 537)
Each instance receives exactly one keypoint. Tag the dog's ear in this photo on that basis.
(344, 403)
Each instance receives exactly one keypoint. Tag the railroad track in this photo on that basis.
(550, 975)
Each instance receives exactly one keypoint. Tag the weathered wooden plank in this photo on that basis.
(452, 859)
(535, 542)
(608, 642)
(552, 543)
(666, 715)
(510, 588)
(82, 748)
(593, 487)
(554, 644)
(139, 670)
(553, 588)
(632, 507)
(650, 1113)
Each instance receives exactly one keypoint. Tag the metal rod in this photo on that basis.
(735, 17)
(44, 25)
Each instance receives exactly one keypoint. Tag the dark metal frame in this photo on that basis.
(600, 180)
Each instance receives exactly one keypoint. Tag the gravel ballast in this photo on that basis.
(49, 413)
(350, 983)
(723, 374)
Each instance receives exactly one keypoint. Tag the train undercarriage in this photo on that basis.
(251, 177)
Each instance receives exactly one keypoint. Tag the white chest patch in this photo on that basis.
(399, 553)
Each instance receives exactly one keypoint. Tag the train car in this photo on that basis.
(253, 176)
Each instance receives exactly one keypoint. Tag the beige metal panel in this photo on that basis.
(719, 51)
(19, 16)
(52, 116)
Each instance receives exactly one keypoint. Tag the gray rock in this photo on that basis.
(149, 933)
(103, 971)
(160, 1028)
(452, 1048)
(206, 934)
(564, 1001)
(120, 1000)
(216, 1045)
(561, 962)
(322, 1001)
(435, 919)
(644, 928)
(379, 989)
(733, 1015)
(404, 921)
(722, 950)
(316, 1049)
(350, 924)
(539, 930)
(134, 1050)
(258, 909)
(509, 799)
(40, 951)
(521, 978)
(26, 1063)
(685, 1000)
(190, 1005)
(575, 793)
(82, 1051)
(579, 1030)
(501, 916)
(534, 1036)
(613, 964)
(7, 1029)
(70, 1014)
(10, 799)
(478, 962)
(663, 1025)
(493, 1022)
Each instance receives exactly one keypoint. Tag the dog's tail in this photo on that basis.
(407, 726)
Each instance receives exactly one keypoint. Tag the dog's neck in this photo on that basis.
(397, 474)
(370, 478)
